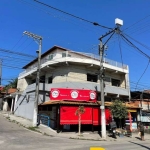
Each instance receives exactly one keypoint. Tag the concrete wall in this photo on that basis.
(25, 104)
(22, 84)
(5, 106)
(69, 73)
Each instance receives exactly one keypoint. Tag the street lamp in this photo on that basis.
(39, 41)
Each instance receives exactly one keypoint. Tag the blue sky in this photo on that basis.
(17, 16)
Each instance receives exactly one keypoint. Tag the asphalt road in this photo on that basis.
(15, 137)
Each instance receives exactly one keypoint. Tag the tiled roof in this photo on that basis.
(52, 102)
(12, 90)
(98, 103)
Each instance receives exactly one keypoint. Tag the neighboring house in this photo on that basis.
(8, 99)
(142, 98)
(63, 68)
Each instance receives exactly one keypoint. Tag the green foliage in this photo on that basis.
(12, 84)
(118, 109)
(80, 110)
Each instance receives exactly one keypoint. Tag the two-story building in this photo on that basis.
(67, 69)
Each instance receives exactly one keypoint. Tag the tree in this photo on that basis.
(12, 84)
(79, 112)
(119, 110)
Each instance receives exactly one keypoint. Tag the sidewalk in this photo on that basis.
(72, 135)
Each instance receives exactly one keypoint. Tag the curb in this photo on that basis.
(78, 138)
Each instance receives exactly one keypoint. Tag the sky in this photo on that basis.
(56, 28)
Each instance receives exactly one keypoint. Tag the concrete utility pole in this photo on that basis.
(39, 41)
(119, 23)
(103, 122)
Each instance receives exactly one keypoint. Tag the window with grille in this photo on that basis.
(91, 77)
(50, 56)
(115, 82)
(66, 55)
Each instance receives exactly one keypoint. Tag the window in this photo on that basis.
(33, 81)
(50, 56)
(91, 77)
(107, 99)
(42, 79)
(115, 82)
(50, 79)
(107, 80)
(66, 55)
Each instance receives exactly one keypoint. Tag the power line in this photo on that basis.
(94, 23)
(120, 50)
(141, 28)
(27, 45)
(147, 56)
(136, 22)
(143, 73)
(22, 43)
(17, 42)
(16, 53)
(141, 53)
(138, 42)
(12, 67)
(60, 17)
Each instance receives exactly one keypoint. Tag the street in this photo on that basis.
(13, 136)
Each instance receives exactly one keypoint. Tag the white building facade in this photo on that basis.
(62, 68)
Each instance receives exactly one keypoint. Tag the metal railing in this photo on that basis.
(43, 119)
(75, 55)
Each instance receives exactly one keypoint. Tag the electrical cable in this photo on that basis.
(27, 46)
(143, 73)
(143, 54)
(22, 42)
(120, 50)
(136, 22)
(12, 67)
(138, 42)
(60, 17)
(16, 53)
(94, 23)
(17, 42)
(147, 56)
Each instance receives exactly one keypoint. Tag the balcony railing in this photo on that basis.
(75, 55)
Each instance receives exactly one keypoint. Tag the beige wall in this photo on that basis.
(72, 73)
(22, 84)
(69, 73)
(118, 77)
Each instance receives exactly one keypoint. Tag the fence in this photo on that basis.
(43, 119)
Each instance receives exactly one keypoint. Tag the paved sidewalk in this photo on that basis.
(72, 135)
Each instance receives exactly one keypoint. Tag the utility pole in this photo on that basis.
(103, 122)
(38, 39)
(119, 23)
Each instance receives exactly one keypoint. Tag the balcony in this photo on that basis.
(77, 57)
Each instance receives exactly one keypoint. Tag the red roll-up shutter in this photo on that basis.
(97, 116)
(67, 115)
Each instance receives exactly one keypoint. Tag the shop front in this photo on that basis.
(63, 104)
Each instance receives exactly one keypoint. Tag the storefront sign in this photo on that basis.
(132, 110)
(72, 94)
